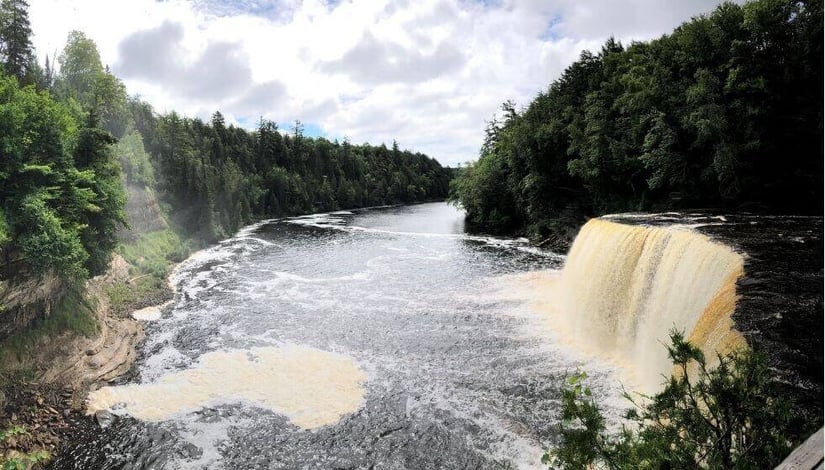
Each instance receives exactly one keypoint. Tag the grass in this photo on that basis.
(153, 253)
(151, 257)
(125, 297)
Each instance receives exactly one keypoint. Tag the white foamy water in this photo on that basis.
(151, 313)
(434, 369)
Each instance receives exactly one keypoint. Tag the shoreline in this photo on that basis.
(49, 406)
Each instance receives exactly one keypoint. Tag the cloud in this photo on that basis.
(637, 19)
(157, 55)
(372, 61)
(220, 71)
(263, 96)
(150, 54)
(428, 73)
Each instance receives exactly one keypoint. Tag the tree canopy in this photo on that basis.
(70, 140)
(219, 177)
(726, 111)
(60, 189)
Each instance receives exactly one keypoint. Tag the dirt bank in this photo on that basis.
(66, 367)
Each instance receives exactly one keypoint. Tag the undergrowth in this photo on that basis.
(153, 253)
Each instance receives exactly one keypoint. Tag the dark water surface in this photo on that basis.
(453, 381)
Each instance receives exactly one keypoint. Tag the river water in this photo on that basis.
(379, 338)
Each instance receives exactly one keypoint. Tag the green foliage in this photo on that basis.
(103, 215)
(20, 461)
(726, 111)
(60, 189)
(82, 78)
(16, 50)
(154, 252)
(218, 178)
(135, 161)
(80, 67)
(724, 417)
(49, 242)
(4, 230)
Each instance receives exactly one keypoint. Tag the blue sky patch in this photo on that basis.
(549, 33)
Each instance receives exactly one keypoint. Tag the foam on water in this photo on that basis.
(409, 307)
(311, 387)
(151, 313)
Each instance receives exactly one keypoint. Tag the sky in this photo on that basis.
(428, 74)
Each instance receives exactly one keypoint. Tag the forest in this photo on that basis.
(725, 112)
(72, 140)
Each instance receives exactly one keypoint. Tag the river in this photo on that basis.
(378, 338)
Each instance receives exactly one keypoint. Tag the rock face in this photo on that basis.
(66, 366)
(142, 212)
(780, 306)
(84, 361)
(23, 303)
(780, 310)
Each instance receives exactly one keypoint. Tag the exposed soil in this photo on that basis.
(68, 367)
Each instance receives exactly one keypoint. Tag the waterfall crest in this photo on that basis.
(624, 287)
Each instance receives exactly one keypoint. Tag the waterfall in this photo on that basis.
(624, 287)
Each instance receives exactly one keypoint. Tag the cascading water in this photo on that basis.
(624, 287)
(390, 338)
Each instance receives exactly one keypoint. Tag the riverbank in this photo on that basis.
(46, 381)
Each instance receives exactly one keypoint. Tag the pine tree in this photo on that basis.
(48, 73)
(15, 38)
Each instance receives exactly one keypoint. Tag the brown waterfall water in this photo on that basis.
(625, 287)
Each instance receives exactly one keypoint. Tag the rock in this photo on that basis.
(191, 451)
(104, 418)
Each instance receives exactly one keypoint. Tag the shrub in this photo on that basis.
(724, 417)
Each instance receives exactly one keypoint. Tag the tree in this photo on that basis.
(16, 48)
(61, 192)
(80, 66)
(724, 417)
(83, 78)
(724, 112)
(104, 214)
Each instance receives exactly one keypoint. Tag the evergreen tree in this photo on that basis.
(726, 112)
(16, 47)
(103, 215)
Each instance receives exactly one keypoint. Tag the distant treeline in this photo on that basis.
(71, 139)
(724, 112)
(218, 177)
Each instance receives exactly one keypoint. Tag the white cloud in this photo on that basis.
(428, 73)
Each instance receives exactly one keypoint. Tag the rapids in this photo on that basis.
(421, 357)
(389, 338)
